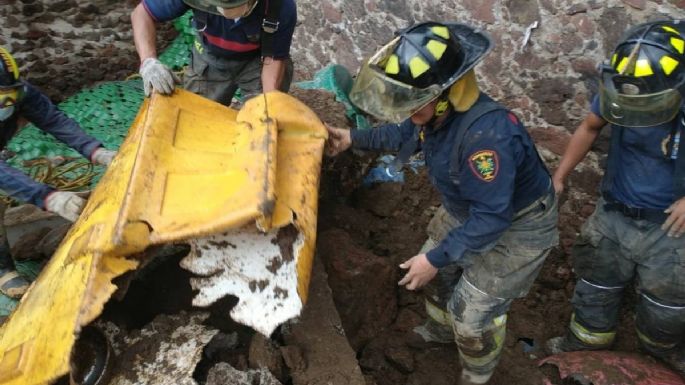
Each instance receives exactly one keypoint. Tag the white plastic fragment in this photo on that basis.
(258, 268)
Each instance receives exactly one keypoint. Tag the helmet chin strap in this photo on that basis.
(441, 107)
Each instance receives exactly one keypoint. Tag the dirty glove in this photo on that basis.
(66, 204)
(157, 76)
(102, 156)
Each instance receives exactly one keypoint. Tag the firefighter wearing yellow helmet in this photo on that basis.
(636, 230)
(498, 221)
(19, 99)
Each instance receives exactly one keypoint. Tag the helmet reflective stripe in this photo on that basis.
(436, 48)
(392, 67)
(642, 68)
(9, 71)
(668, 64)
(418, 66)
(678, 44)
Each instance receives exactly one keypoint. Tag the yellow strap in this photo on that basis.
(588, 337)
(649, 341)
(437, 314)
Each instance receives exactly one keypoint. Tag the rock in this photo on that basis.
(637, 4)
(220, 343)
(382, 199)
(48, 244)
(223, 373)
(523, 12)
(576, 8)
(26, 219)
(264, 353)
(25, 247)
(292, 355)
(406, 320)
(401, 358)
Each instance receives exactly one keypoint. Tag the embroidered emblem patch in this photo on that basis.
(484, 164)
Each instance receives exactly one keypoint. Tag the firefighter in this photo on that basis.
(239, 44)
(635, 232)
(499, 218)
(19, 99)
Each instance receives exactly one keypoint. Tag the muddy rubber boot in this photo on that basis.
(568, 343)
(12, 284)
(469, 377)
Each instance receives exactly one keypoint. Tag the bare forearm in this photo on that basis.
(579, 145)
(144, 33)
(272, 74)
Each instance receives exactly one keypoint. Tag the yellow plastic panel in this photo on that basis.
(209, 170)
(166, 160)
(301, 137)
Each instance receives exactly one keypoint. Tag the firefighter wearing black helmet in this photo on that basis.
(498, 221)
(637, 227)
(239, 44)
(20, 100)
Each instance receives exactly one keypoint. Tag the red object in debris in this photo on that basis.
(612, 368)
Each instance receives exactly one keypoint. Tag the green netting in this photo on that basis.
(177, 54)
(337, 79)
(105, 112)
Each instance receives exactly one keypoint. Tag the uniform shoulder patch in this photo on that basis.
(484, 164)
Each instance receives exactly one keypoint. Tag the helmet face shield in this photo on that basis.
(623, 101)
(416, 67)
(386, 98)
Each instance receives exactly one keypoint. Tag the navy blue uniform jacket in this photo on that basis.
(498, 173)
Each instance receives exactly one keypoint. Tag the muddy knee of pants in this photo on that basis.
(660, 325)
(479, 324)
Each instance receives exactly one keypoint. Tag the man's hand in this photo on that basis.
(558, 183)
(66, 204)
(675, 223)
(103, 156)
(339, 140)
(420, 272)
(158, 77)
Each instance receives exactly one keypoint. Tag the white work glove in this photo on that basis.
(66, 204)
(156, 76)
(102, 156)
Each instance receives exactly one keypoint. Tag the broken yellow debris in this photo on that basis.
(189, 168)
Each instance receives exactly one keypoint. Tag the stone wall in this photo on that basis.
(63, 45)
(548, 81)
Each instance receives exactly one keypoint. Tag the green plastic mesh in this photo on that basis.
(337, 79)
(105, 111)
(177, 54)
